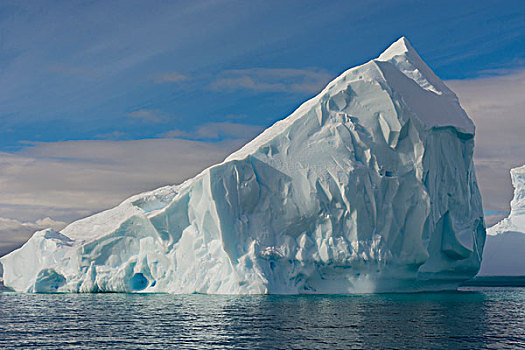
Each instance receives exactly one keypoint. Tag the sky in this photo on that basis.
(103, 99)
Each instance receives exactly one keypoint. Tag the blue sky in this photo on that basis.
(75, 70)
(103, 99)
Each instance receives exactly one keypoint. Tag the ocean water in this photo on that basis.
(474, 318)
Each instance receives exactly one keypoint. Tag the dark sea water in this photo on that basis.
(475, 318)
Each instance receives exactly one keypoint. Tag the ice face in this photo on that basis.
(367, 187)
(504, 254)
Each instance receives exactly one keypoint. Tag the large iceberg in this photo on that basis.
(367, 187)
(504, 253)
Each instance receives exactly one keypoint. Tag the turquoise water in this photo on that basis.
(471, 319)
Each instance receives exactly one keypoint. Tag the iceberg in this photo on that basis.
(504, 253)
(367, 187)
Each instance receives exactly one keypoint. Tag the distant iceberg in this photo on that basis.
(367, 187)
(504, 253)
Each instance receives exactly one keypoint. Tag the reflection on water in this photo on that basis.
(481, 318)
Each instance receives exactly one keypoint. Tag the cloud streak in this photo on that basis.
(149, 116)
(258, 80)
(214, 131)
(170, 77)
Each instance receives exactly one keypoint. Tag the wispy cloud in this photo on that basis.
(237, 116)
(149, 115)
(287, 80)
(508, 71)
(115, 135)
(214, 131)
(169, 77)
(82, 72)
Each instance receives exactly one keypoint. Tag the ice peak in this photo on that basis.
(400, 47)
(402, 55)
(445, 110)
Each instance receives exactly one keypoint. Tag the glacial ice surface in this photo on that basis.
(504, 253)
(367, 187)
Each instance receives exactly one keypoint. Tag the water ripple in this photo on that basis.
(479, 318)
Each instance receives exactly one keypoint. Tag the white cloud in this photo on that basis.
(81, 72)
(149, 115)
(170, 77)
(213, 131)
(236, 116)
(272, 80)
(496, 105)
(115, 135)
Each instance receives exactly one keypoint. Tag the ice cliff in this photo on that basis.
(504, 253)
(367, 187)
